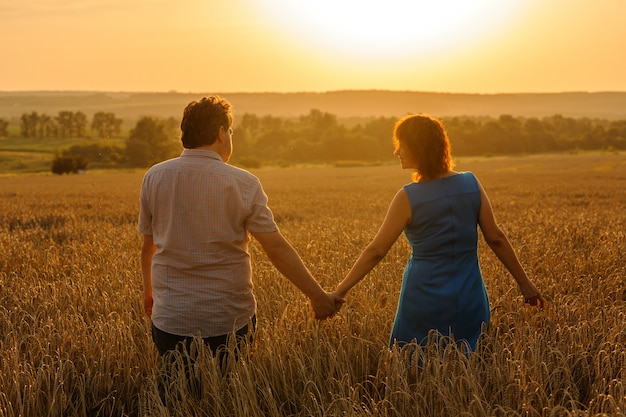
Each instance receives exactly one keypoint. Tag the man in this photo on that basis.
(196, 212)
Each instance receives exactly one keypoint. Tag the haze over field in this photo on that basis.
(343, 104)
(482, 46)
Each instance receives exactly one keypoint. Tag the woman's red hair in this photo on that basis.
(427, 141)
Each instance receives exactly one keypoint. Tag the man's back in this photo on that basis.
(198, 210)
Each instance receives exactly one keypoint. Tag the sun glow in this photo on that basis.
(394, 29)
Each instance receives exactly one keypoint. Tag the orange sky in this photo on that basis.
(206, 46)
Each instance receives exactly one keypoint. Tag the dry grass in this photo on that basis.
(74, 341)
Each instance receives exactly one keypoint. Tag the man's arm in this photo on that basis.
(147, 251)
(284, 257)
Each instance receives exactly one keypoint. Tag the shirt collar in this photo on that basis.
(201, 153)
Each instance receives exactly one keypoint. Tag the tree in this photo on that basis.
(71, 124)
(106, 124)
(249, 122)
(4, 125)
(46, 127)
(100, 154)
(319, 121)
(491, 139)
(152, 140)
(64, 121)
(28, 124)
(68, 164)
(380, 129)
(271, 137)
(79, 124)
(616, 134)
(539, 139)
(513, 139)
(463, 134)
(319, 126)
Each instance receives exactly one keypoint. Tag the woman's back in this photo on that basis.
(444, 215)
(442, 287)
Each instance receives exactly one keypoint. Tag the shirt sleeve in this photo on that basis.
(144, 224)
(261, 218)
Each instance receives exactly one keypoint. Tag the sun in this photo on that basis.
(365, 29)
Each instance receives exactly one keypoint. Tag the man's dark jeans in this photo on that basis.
(220, 346)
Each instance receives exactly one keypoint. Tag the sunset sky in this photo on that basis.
(205, 46)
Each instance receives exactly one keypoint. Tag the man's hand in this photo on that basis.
(148, 301)
(327, 305)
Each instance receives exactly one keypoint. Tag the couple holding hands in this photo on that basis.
(197, 213)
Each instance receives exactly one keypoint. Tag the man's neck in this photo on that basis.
(211, 147)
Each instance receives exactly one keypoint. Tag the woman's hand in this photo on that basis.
(532, 295)
(326, 306)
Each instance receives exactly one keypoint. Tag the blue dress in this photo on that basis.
(442, 286)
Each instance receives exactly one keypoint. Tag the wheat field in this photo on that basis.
(74, 340)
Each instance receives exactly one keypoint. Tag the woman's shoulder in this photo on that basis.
(450, 175)
(458, 180)
(465, 175)
(462, 173)
(468, 179)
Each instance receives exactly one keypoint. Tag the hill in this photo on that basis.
(344, 104)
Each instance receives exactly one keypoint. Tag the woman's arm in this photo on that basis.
(398, 216)
(500, 245)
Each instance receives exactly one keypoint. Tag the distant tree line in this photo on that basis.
(316, 137)
(320, 137)
(152, 140)
(514, 135)
(68, 124)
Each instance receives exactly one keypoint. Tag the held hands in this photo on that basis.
(326, 305)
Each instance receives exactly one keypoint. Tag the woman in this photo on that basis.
(439, 212)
